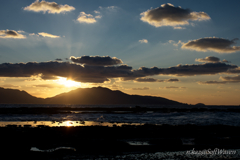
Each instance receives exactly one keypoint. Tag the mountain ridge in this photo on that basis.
(82, 96)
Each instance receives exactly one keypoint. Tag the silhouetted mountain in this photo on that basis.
(83, 96)
(99, 95)
(14, 96)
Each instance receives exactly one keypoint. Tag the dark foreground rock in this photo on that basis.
(95, 141)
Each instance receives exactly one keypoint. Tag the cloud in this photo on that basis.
(211, 59)
(179, 28)
(233, 71)
(171, 87)
(234, 79)
(174, 43)
(97, 60)
(99, 71)
(225, 61)
(49, 7)
(10, 86)
(97, 12)
(86, 18)
(32, 34)
(182, 70)
(145, 79)
(99, 16)
(218, 45)
(49, 85)
(168, 15)
(174, 87)
(112, 7)
(208, 59)
(115, 87)
(48, 35)
(231, 79)
(11, 34)
(144, 88)
(53, 69)
(143, 41)
(172, 80)
(58, 59)
(212, 82)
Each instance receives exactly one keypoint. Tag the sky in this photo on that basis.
(187, 51)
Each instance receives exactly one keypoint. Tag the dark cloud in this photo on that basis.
(50, 7)
(145, 79)
(52, 69)
(96, 60)
(100, 74)
(208, 59)
(168, 15)
(182, 70)
(58, 59)
(144, 88)
(11, 34)
(231, 79)
(171, 87)
(212, 82)
(213, 44)
(233, 71)
(172, 80)
(174, 87)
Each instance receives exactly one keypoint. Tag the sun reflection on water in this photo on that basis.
(67, 123)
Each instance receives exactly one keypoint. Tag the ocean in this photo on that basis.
(171, 115)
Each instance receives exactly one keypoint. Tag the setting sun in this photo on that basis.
(68, 83)
(69, 123)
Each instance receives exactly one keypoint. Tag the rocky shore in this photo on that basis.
(91, 142)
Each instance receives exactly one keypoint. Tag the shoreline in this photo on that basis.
(112, 141)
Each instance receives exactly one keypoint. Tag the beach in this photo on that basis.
(103, 139)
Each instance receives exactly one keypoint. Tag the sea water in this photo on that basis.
(220, 116)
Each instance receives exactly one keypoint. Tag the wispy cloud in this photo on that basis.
(11, 34)
(212, 82)
(143, 41)
(86, 18)
(10, 86)
(50, 85)
(145, 79)
(168, 15)
(225, 80)
(49, 7)
(232, 79)
(48, 35)
(144, 88)
(173, 87)
(179, 27)
(214, 44)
